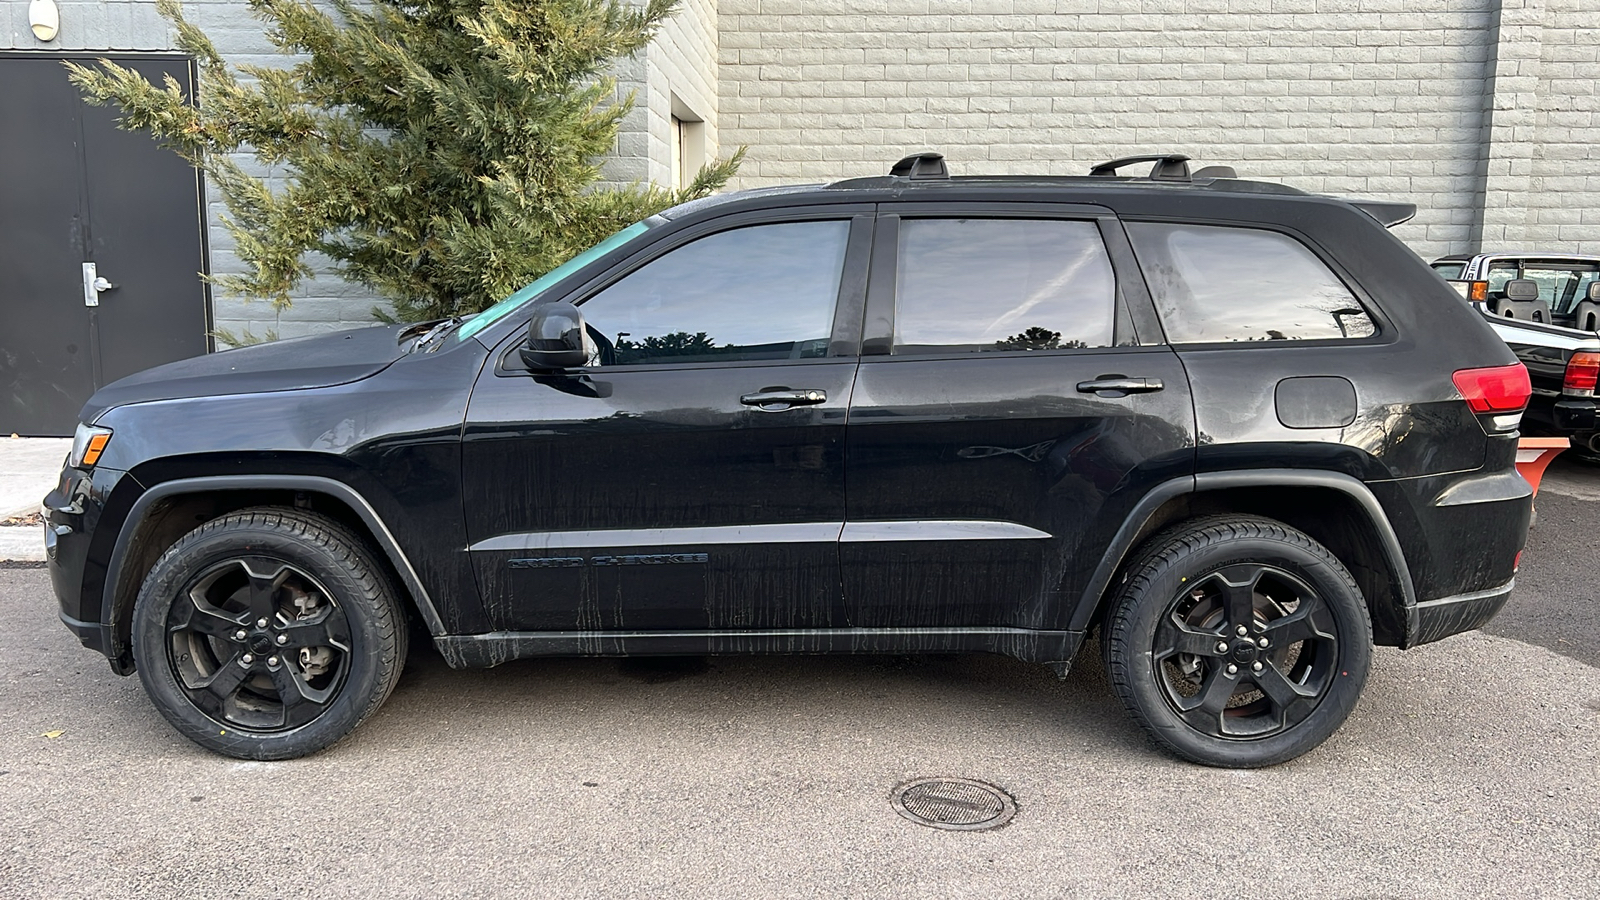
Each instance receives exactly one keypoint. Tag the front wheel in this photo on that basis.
(1238, 641)
(268, 634)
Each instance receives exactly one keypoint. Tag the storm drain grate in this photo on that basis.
(954, 804)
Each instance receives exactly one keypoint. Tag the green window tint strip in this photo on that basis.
(510, 304)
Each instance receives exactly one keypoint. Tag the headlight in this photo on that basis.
(88, 442)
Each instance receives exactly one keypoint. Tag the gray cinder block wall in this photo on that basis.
(1486, 113)
(1483, 113)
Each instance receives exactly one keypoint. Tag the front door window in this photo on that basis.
(765, 292)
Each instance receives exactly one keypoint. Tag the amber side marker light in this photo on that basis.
(1478, 291)
(97, 446)
(87, 445)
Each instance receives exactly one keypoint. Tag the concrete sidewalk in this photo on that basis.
(28, 470)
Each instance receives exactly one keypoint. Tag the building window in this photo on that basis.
(688, 141)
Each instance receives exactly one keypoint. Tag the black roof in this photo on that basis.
(924, 176)
(1097, 190)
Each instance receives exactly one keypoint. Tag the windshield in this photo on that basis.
(510, 304)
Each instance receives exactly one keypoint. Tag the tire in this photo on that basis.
(1174, 631)
(1580, 451)
(268, 633)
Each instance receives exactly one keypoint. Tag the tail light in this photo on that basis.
(1497, 395)
(1582, 371)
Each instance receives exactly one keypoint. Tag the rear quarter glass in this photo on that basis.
(1214, 283)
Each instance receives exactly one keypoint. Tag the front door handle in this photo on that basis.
(1119, 385)
(780, 398)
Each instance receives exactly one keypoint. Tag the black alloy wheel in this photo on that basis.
(268, 633)
(258, 644)
(1238, 641)
(1246, 652)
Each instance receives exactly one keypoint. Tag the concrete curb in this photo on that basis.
(29, 469)
(22, 542)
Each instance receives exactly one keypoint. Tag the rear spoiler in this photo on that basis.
(1390, 214)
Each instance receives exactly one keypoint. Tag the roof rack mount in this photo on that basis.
(922, 167)
(1168, 167)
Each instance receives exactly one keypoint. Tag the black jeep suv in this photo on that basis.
(1240, 430)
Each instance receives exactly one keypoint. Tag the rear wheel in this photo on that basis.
(268, 634)
(1238, 642)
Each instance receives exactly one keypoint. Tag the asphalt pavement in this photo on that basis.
(1470, 768)
(1557, 600)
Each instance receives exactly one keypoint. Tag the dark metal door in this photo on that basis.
(76, 190)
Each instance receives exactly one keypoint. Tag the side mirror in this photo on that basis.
(556, 339)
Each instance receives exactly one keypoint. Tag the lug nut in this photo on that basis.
(273, 660)
(1222, 646)
(1233, 669)
(1255, 667)
(239, 635)
(247, 659)
(1260, 642)
(1243, 631)
(284, 639)
(262, 623)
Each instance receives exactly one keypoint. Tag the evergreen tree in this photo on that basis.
(442, 152)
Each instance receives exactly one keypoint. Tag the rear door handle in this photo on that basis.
(1118, 385)
(780, 399)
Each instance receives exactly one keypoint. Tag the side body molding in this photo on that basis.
(309, 483)
(1122, 544)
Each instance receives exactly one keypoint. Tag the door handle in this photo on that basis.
(780, 399)
(1118, 385)
(93, 284)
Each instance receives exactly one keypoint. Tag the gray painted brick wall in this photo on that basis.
(1563, 203)
(1486, 113)
(1351, 97)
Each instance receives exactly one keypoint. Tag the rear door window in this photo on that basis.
(994, 285)
(1218, 284)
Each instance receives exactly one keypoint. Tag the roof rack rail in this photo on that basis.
(1168, 167)
(922, 167)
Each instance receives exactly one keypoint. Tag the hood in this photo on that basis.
(310, 362)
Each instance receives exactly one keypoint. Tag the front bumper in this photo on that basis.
(77, 549)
